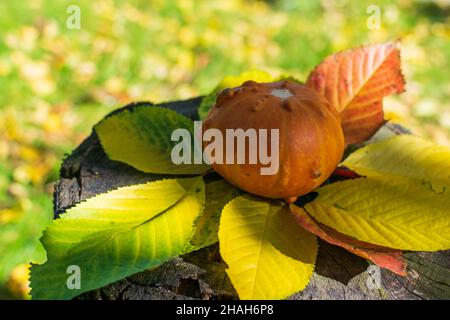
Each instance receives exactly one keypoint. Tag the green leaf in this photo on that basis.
(404, 156)
(230, 82)
(116, 234)
(394, 213)
(218, 194)
(141, 137)
(269, 256)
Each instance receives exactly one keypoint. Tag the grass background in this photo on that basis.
(56, 82)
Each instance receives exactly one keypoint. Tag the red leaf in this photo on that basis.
(355, 83)
(345, 173)
(387, 258)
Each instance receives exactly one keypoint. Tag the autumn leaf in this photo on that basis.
(217, 195)
(355, 83)
(395, 213)
(142, 137)
(230, 82)
(235, 81)
(401, 203)
(269, 256)
(387, 258)
(118, 233)
(404, 156)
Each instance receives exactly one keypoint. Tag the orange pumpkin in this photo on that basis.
(311, 142)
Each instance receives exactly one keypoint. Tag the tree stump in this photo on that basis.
(201, 274)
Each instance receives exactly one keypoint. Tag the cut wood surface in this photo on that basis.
(201, 274)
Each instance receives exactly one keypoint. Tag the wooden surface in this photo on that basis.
(201, 275)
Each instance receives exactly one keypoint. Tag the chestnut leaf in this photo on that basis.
(402, 202)
(387, 258)
(218, 193)
(404, 156)
(355, 82)
(269, 256)
(116, 234)
(141, 137)
(391, 212)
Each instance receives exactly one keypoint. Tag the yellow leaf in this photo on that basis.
(116, 234)
(395, 212)
(231, 82)
(133, 204)
(218, 194)
(255, 75)
(269, 256)
(141, 137)
(404, 156)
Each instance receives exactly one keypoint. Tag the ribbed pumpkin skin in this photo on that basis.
(311, 141)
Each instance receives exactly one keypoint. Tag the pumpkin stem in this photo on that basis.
(290, 200)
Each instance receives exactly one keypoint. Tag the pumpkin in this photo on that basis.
(310, 144)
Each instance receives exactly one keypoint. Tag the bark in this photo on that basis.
(201, 275)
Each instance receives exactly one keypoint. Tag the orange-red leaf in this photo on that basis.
(345, 173)
(355, 83)
(387, 258)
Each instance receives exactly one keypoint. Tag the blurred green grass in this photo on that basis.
(55, 83)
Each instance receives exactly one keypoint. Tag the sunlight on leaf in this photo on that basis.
(404, 156)
(396, 213)
(355, 83)
(141, 137)
(403, 201)
(269, 256)
(218, 194)
(387, 258)
(117, 234)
